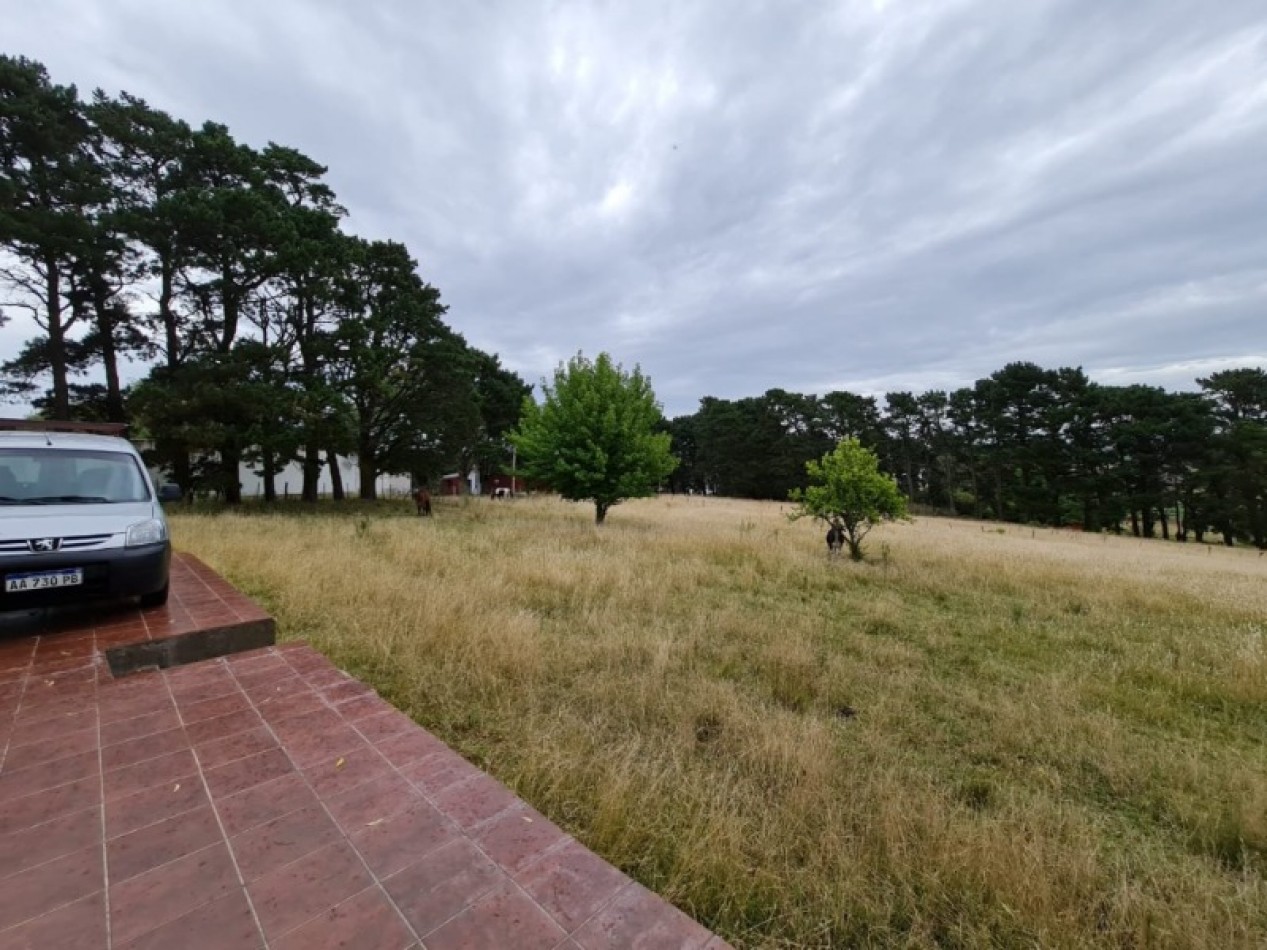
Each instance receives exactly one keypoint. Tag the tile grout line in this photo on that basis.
(555, 849)
(100, 808)
(146, 790)
(461, 831)
(151, 824)
(629, 883)
(568, 934)
(28, 672)
(102, 748)
(16, 925)
(224, 836)
(101, 786)
(378, 884)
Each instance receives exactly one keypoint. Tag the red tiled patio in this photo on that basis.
(267, 799)
(204, 616)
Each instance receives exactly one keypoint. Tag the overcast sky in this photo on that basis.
(870, 195)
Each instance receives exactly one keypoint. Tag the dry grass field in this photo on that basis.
(984, 736)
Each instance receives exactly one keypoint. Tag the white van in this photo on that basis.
(79, 521)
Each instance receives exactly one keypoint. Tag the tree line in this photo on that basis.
(1025, 444)
(273, 335)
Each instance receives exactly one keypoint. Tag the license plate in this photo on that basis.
(44, 580)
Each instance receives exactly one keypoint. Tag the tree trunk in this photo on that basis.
(177, 455)
(336, 476)
(854, 539)
(182, 469)
(600, 512)
(268, 462)
(369, 490)
(166, 314)
(57, 341)
(1165, 523)
(109, 360)
(1256, 528)
(1057, 518)
(312, 471)
(230, 466)
(1135, 522)
(1024, 513)
(231, 306)
(312, 445)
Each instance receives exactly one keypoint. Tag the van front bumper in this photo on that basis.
(108, 574)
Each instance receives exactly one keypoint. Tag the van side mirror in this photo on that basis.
(169, 493)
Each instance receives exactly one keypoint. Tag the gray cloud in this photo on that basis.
(738, 196)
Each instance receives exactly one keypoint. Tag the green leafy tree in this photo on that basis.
(595, 437)
(1237, 463)
(743, 448)
(50, 188)
(849, 416)
(314, 267)
(849, 492)
(500, 394)
(404, 374)
(684, 436)
(144, 152)
(903, 422)
(210, 403)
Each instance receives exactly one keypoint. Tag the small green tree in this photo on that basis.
(594, 436)
(849, 492)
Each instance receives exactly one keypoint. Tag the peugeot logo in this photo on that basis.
(45, 545)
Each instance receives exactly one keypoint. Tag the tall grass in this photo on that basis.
(984, 736)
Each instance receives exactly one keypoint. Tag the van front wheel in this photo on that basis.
(156, 599)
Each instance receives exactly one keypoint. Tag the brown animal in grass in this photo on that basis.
(835, 540)
(422, 498)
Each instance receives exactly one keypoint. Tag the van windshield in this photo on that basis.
(68, 476)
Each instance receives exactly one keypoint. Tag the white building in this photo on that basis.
(290, 481)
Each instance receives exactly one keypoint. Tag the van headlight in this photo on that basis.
(146, 532)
